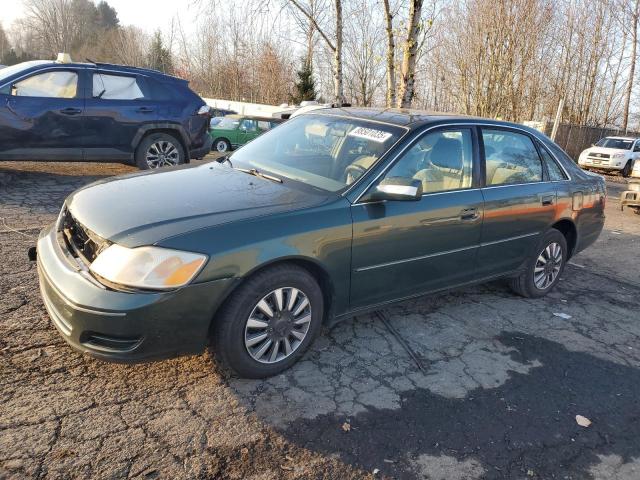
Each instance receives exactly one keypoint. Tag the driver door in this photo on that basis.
(42, 117)
(247, 131)
(405, 248)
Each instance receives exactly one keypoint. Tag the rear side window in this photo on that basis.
(555, 172)
(116, 87)
(511, 158)
(56, 84)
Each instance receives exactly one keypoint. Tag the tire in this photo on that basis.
(159, 150)
(529, 287)
(626, 171)
(221, 145)
(238, 342)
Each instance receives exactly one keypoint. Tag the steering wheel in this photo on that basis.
(353, 172)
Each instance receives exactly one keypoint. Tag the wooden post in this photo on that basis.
(557, 121)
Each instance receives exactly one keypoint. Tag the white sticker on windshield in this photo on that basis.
(370, 134)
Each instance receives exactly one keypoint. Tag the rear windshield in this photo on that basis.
(228, 123)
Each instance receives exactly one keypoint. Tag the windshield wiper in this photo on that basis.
(257, 173)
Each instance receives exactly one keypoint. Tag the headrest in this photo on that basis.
(447, 153)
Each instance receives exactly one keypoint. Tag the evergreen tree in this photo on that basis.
(159, 57)
(107, 16)
(305, 85)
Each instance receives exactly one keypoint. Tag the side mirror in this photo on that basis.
(398, 189)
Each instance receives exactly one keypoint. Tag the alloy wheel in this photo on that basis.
(278, 325)
(162, 154)
(547, 266)
(221, 146)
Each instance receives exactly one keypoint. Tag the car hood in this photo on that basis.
(144, 208)
(609, 151)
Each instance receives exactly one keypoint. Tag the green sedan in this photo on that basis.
(332, 214)
(233, 131)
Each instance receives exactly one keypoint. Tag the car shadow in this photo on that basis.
(493, 392)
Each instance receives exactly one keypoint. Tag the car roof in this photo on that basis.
(407, 117)
(106, 66)
(253, 117)
(621, 138)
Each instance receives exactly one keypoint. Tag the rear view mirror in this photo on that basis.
(399, 189)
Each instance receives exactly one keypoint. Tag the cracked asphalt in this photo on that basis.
(476, 383)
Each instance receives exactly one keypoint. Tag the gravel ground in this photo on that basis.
(492, 390)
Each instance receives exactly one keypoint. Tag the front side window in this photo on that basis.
(116, 87)
(54, 84)
(441, 160)
(555, 172)
(248, 125)
(511, 158)
(324, 151)
(7, 72)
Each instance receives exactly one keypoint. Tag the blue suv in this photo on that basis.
(100, 112)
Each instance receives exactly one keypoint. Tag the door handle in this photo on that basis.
(70, 111)
(145, 110)
(469, 214)
(548, 200)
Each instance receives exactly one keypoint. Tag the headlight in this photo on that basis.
(618, 155)
(147, 267)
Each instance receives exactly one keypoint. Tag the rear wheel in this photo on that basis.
(269, 321)
(544, 267)
(221, 145)
(159, 150)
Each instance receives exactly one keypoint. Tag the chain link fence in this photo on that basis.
(575, 138)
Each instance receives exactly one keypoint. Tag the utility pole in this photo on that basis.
(557, 121)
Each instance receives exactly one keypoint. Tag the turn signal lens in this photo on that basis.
(147, 267)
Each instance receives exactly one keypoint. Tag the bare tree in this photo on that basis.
(410, 51)
(634, 17)
(334, 46)
(390, 55)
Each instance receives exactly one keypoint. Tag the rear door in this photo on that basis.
(117, 105)
(519, 200)
(41, 117)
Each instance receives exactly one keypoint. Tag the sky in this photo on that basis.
(146, 14)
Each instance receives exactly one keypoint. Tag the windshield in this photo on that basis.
(324, 151)
(619, 143)
(228, 123)
(13, 69)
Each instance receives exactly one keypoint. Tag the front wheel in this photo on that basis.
(626, 171)
(159, 150)
(269, 321)
(544, 266)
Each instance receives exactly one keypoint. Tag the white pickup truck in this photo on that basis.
(612, 153)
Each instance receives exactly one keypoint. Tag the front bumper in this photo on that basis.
(204, 149)
(631, 197)
(122, 326)
(602, 164)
